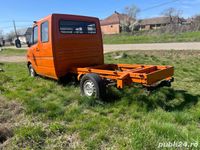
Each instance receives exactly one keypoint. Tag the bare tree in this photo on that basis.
(196, 23)
(173, 14)
(129, 20)
(173, 19)
(10, 36)
(1, 37)
(1, 33)
(132, 11)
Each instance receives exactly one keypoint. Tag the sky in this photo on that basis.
(26, 11)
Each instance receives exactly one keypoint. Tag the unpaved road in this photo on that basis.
(153, 46)
(126, 47)
(12, 58)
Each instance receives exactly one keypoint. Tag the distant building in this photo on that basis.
(24, 36)
(112, 24)
(157, 22)
(189, 21)
(22, 39)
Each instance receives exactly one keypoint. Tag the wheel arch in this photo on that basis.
(28, 63)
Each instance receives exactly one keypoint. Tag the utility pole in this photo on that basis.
(15, 29)
(17, 41)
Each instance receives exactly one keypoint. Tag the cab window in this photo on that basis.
(35, 34)
(77, 27)
(45, 32)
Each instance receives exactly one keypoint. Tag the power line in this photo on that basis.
(7, 27)
(15, 29)
(159, 5)
(10, 21)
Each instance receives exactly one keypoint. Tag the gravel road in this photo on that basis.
(126, 47)
(12, 58)
(153, 46)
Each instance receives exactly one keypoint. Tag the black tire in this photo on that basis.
(32, 72)
(92, 85)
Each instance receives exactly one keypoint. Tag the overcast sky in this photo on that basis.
(24, 11)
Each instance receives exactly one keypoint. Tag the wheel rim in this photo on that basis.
(89, 88)
(31, 72)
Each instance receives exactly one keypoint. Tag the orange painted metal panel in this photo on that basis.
(76, 50)
(147, 75)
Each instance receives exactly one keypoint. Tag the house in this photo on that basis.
(189, 21)
(22, 39)
(24, 36)
(112, 24)
(157, 22)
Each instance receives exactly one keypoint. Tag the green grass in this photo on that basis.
(163, 38)
(13, 52)
(57, 117)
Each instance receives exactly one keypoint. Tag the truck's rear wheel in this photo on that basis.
(32, 71)
(92, 85)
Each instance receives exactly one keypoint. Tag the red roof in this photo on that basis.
(113, 19)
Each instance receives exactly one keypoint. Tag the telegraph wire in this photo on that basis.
(27, 21)
(159, 5)
(7, 27)
(10, 21)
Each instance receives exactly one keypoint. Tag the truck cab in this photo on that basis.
(60, 42)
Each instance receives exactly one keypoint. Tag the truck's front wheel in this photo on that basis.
(92, 85)
(32, 71)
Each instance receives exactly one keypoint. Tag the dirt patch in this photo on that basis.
(9, 112)
(5, 134)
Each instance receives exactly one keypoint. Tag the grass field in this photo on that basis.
(13, 52)
(41, 114)
(163, 38)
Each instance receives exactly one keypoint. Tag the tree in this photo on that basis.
(1, 37)
(132, 11)
(129, 20)
(173, 19)
(10, 36)
(1, 33)
(196, 23)
(173, 14)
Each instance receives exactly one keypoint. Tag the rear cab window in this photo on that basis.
(77, 27)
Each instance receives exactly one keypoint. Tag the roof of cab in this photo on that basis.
(55, 14)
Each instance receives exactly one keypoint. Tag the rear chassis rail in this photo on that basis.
(126, 74)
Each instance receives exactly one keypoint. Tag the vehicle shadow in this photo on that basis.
(68, 80)
(166, 98)
(178, 100)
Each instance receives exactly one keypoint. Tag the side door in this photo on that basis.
(35, 47)
(41, 49)
(46, 56)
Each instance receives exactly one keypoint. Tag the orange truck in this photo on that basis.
(62, 45)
